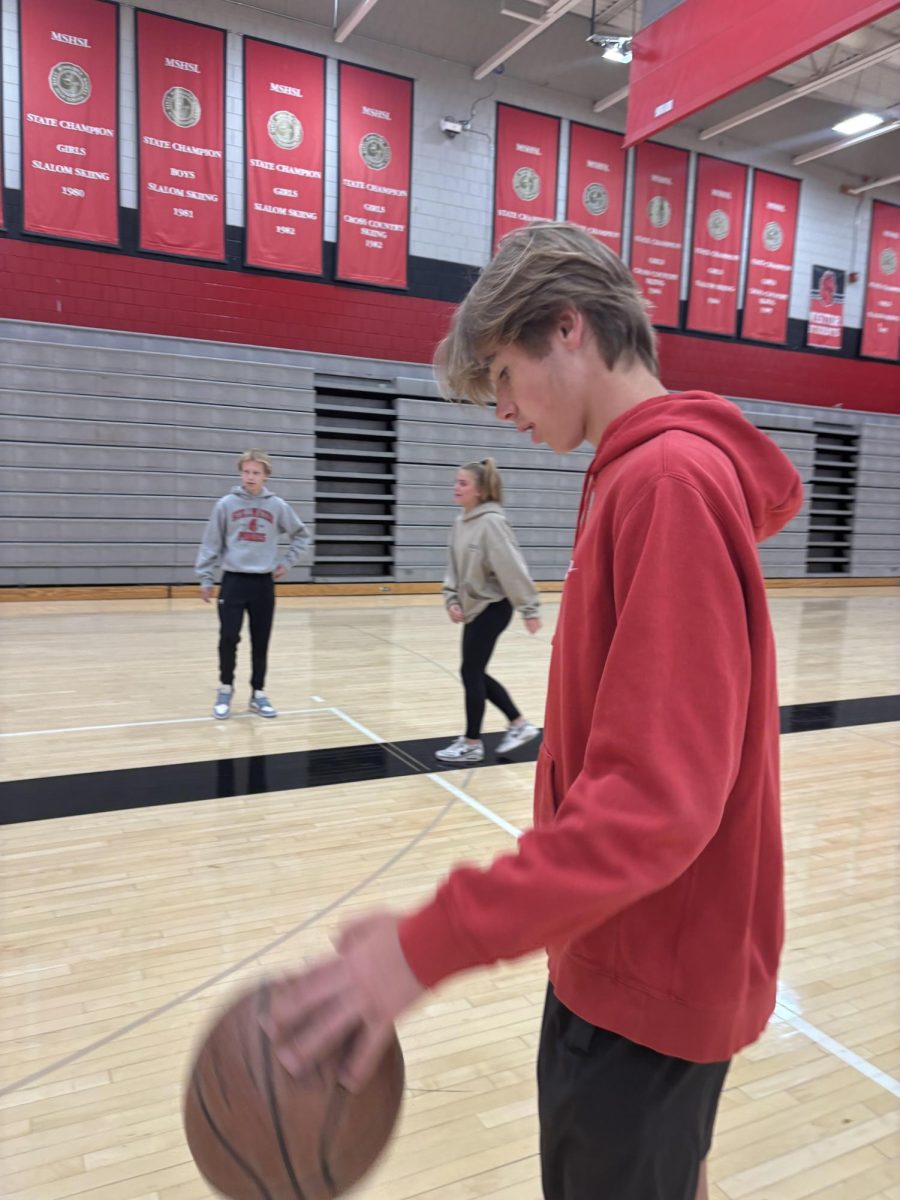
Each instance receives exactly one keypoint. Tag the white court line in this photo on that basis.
(829, 1044)
(287, 712)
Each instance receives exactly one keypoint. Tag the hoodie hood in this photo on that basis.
(488, 506)
(262, 494)
(770, 483)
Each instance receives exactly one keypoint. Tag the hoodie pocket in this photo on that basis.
(546, 800)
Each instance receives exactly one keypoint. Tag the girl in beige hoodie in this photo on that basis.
(486, 578)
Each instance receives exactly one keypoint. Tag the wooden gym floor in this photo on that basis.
(200, 854)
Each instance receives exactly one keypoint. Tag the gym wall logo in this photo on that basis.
(285, 130)
(375, 151)
(526, 183)
(887, 261)
(70, 83)
(773, 236)
(595, 199)
(659, 212)
(181, 107)
(718, 225)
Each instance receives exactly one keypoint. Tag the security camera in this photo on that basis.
(451, 126)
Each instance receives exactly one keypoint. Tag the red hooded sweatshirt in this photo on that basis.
(653, 875)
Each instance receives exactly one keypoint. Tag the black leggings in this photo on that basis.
(256, 595)
(478, 642)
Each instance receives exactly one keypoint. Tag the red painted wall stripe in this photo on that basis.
(75, 286)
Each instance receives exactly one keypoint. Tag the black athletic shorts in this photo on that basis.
(619, 1121)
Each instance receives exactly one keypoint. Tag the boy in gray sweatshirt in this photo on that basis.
(241, 537)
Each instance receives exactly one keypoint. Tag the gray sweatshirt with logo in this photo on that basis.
(242, 535)
(485, 565)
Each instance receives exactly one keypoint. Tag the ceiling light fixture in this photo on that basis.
(858, 124)
(616, 49)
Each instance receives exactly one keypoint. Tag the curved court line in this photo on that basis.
(146, 1018)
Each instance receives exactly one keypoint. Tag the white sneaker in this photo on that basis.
(516, 736)
(261, 704)
(222, 706)
(461, 751)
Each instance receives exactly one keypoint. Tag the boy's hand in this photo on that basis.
(456, 614)
(532, 624)
(206, 592)
(350, 1000)
(279, 571)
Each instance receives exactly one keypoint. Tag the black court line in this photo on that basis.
(81, 794)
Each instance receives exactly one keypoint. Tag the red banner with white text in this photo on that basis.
(70, 175)
(826, 308)
(284, 140)
(716, 246)
(595, 197)
(375, 164)
(770, 265)
(527, 158)
(657, 233)
(881, 320)
(181, 136)
(703, 50)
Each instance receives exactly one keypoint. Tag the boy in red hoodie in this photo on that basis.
(653, 874)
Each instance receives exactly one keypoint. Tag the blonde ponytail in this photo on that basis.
(487, 480)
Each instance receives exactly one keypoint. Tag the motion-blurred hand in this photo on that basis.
(456, 614)
(279, 572)
(205, 593)
(350, 999)
(532, 624)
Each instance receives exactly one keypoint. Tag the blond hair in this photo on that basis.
(257, 456)
(487, 479)
(538, 272)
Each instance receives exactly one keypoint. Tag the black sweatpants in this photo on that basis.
(478, 642)
(619, 1121)
(255, 594)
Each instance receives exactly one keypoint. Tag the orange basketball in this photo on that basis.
(256, 1133)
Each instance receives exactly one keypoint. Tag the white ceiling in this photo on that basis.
(472, 32)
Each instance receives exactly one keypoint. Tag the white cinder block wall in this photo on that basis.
(452, 180)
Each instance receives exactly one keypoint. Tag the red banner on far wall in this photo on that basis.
(826, 309)
(375, 160)
(525, 175)
(881, 320)
(773, 229)
(595, 196)
(716, 246)
(284, 139)
(70, 175)
(657, 234)
(181, 136)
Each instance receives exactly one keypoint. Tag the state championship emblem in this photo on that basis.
(773, 236)
(181, 107)
(717, 225)
(527, 183)
(70, 83)
(375, 151)
(285, 130)
(659, 212)
(595, 199)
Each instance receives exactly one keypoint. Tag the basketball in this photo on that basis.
(255, 1131)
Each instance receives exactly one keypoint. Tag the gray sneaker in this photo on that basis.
(461, 751)
(260, 703)
(516, 736)
(222, 706)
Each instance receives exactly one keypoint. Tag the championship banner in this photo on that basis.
(881, 322)
(702, 50)
(525, 169)
(716, 246)
(826, 309)
(70, 176)
(595, 195)
(375, 123)
(181, 135)
(657, 235)
(284, 140)
(773, 228)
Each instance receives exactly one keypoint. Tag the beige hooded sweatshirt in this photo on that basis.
(485, 565)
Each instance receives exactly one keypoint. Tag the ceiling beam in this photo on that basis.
(550, 17)
(350, 22)
(803, 89)
(610, 100)
(868, 187)
(844, 143)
